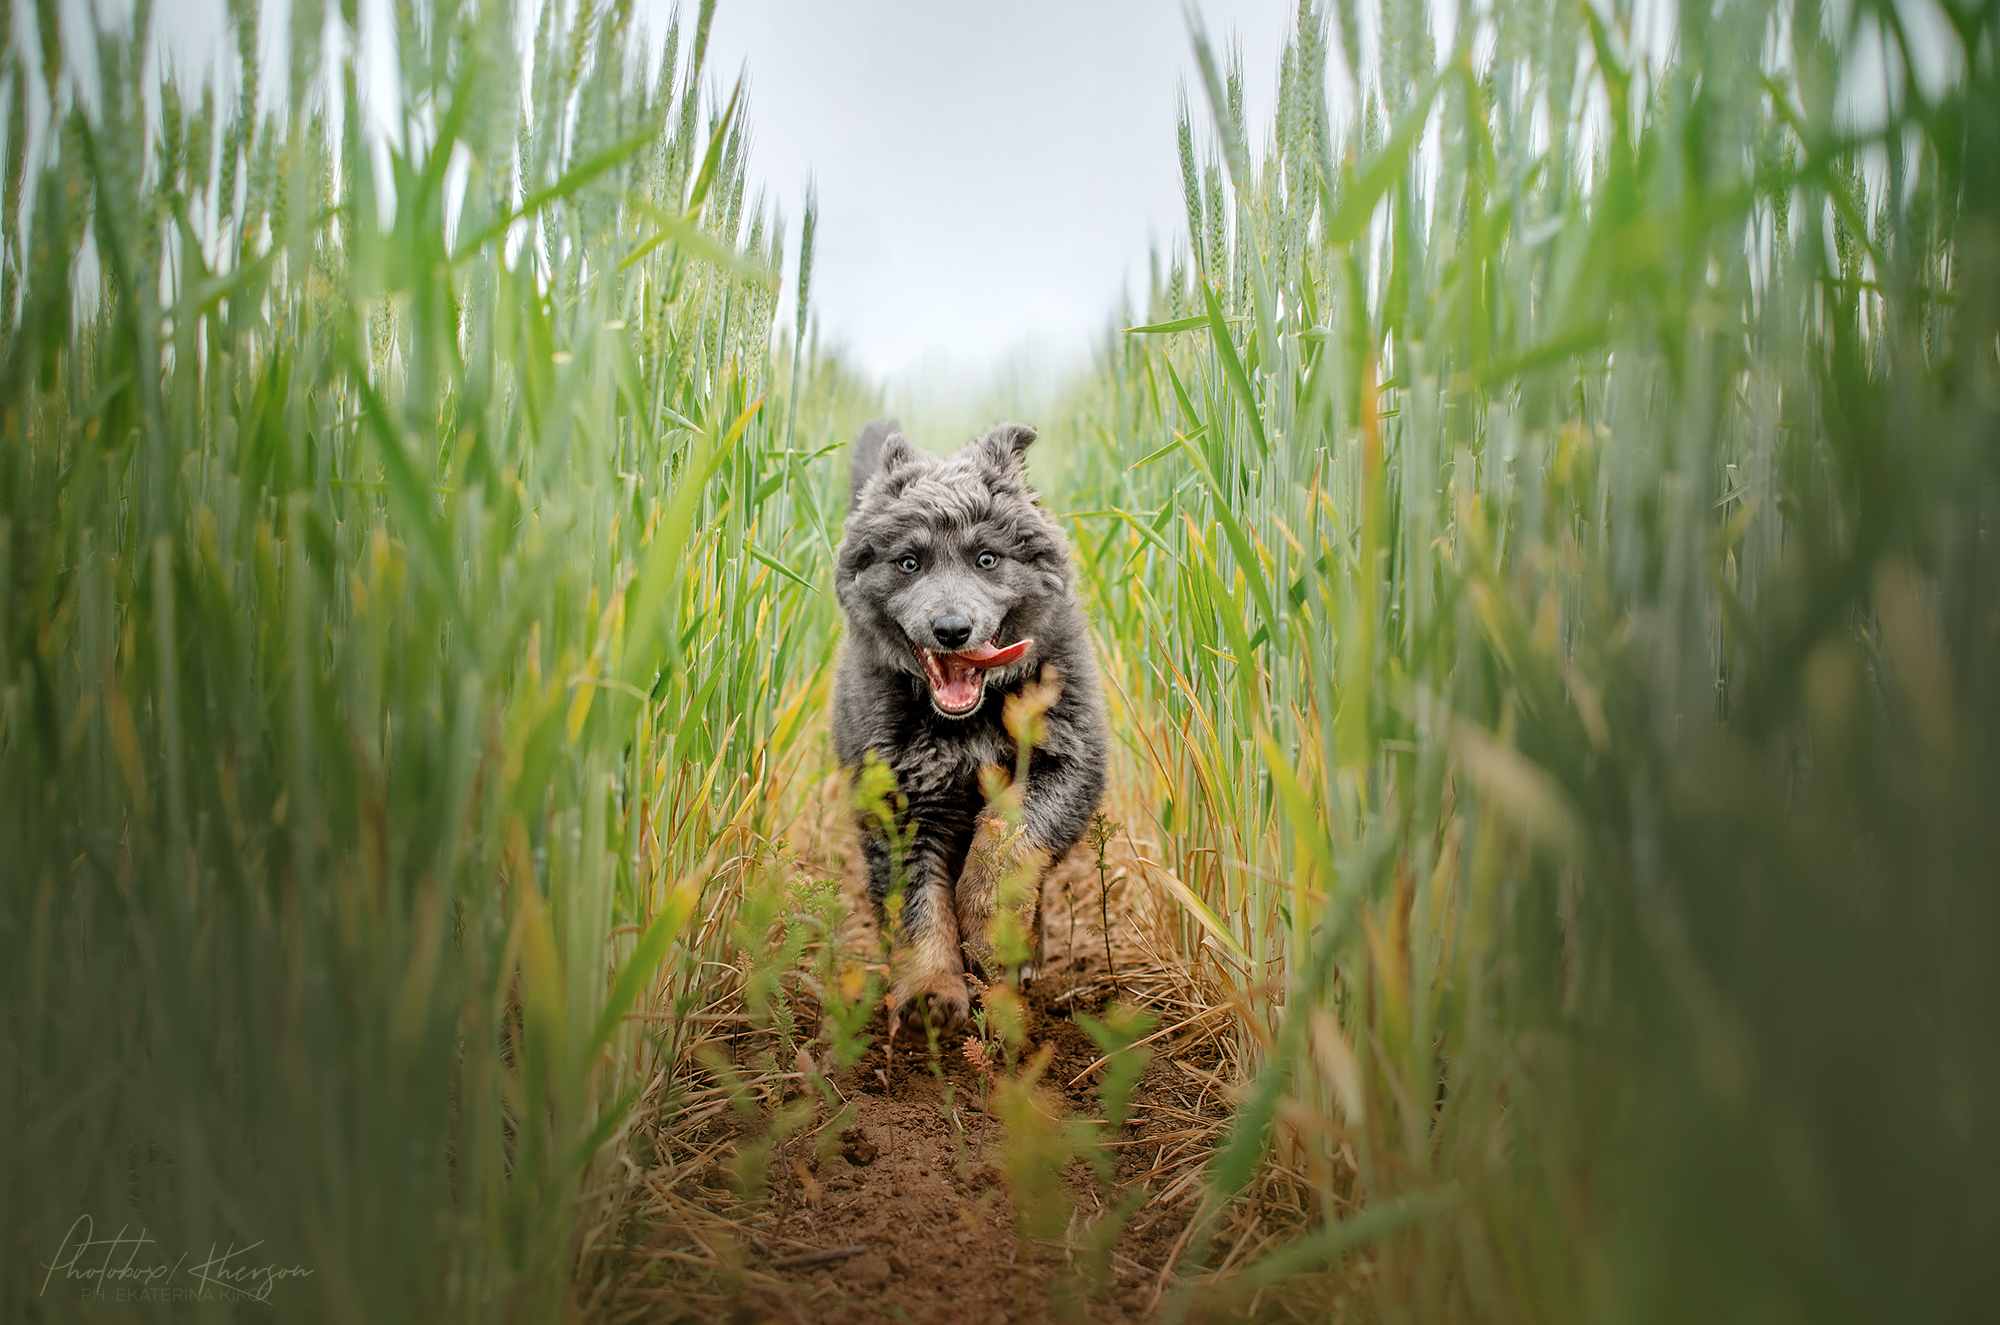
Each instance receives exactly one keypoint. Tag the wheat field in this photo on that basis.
(1540, 532)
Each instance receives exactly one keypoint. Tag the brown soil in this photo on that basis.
(905, 1214)
(933, 1204)
(894, 1203)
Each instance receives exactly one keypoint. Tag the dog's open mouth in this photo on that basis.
(959, 679)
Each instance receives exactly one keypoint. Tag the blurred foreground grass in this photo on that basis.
(1543, 536)
(406, 611)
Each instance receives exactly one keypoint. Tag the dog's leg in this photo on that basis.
(930, 985)
(1002, 876)
(1022, 833)
(928, 972)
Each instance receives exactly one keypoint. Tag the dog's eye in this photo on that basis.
(908, 565)
(987, 561)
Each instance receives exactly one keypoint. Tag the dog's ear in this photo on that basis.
(897, 461)
(1004, 447)
(900, 456)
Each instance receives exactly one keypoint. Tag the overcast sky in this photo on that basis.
(991, 175)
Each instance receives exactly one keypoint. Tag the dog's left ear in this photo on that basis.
(1004, 446)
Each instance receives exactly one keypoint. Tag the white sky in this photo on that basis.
(991, 176)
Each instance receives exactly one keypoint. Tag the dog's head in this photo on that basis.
(947, 569)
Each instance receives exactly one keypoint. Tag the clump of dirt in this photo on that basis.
(856, 1147)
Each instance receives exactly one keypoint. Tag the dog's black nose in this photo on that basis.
(952, 632)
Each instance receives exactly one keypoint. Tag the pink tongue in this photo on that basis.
(986, 656)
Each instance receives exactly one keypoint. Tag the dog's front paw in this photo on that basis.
(939, 1000)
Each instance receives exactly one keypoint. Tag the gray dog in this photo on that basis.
(957, 590)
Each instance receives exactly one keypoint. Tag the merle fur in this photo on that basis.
(946, 510)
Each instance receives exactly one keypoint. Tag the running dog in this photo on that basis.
(958, 592)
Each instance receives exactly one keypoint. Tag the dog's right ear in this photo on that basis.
(1002, 453)
(1005, 445)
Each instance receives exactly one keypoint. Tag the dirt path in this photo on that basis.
(920, 1179)
(898, 1203)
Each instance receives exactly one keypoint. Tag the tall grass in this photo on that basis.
(1542, 536)
(407, 608)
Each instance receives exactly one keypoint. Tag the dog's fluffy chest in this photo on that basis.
(937, 755)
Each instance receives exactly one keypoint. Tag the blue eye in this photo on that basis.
(987, 561)
(908, 565)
